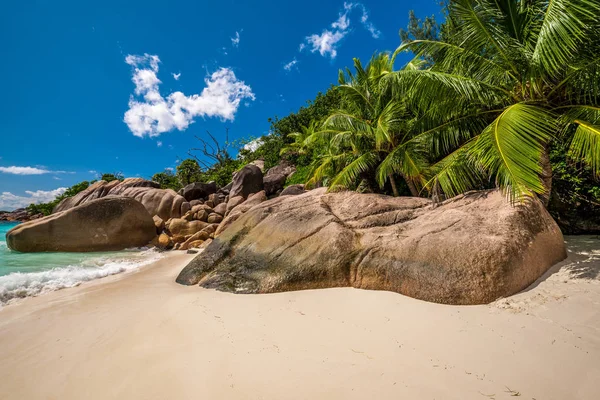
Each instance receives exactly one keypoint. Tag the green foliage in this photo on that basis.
(108, 177)
(302, 175)
(575, 194)
(46, 208)
(221, 173)
(508, 78)
(417, 29)
(188, 172)
(366, 142)
(279, 136)
(167, 180)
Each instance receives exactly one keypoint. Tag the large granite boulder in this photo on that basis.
(162, 202)
(246, 181)
(471, 249)
(109, 223)
(198, 190)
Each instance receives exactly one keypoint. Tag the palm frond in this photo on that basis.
(347, 176)
(511, 147)
(585, 145)
(456, 173)
(566, 25)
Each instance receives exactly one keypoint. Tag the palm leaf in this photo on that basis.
(511, 147)
(566, 25)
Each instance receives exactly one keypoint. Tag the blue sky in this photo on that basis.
(125, 85)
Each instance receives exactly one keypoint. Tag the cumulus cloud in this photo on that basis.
(235, 41)
(10, 201)
(29, 171)
(159, 144)
(151, 114)
(327, 42)
(290, 65)
(176, 76)
(254, 144)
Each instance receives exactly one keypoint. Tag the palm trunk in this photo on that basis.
(411, 186)
(393, 183)
(546, 177)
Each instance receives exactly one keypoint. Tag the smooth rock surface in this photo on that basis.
(165, 203)
(293, 190)
(199, 190)
(110, 223)
(246, 181)
(472, 249)
(274, 183)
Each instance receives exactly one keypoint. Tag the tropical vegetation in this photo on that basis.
(503, 93)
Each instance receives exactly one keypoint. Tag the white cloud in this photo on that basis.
(93, 171)
(176, 76)
(253, 145)
(290, 65)
(364, 20)
(56, 178)
(235, 41)
(9, 201)
(154, 114)
(169, 169)
(159, 144)
(327, 42)
(30, 171)
(23, 170)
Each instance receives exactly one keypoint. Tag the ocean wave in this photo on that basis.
(27, 284)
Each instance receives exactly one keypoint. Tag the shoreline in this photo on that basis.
(141, 335)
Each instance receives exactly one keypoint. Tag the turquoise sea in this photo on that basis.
(31, 274)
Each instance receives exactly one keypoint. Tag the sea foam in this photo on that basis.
(26, 284)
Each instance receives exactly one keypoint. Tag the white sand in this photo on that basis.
(142, 336)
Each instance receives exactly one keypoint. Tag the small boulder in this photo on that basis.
(202, 215)
(293, 190)
(215, 218)
(181, 227)
(233, 203)
(164, 241)
(198, 190)
(247, 180)
(225, 189)
(259, 163)
(196, 202)
(159, 224)
(274, 183)
(216, 198)
(283, 168)
(220, 209)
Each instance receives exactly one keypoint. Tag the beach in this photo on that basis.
(140, 335)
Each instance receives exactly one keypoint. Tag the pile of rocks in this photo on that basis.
(20, 214)
(181, 221)
(212, 210)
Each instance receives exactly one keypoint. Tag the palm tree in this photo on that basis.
(304, 141)
(507, 78)
(365, 138)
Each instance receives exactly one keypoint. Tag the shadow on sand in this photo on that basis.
(582, 262)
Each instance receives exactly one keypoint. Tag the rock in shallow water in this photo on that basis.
(109, 223)
(471, 249)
